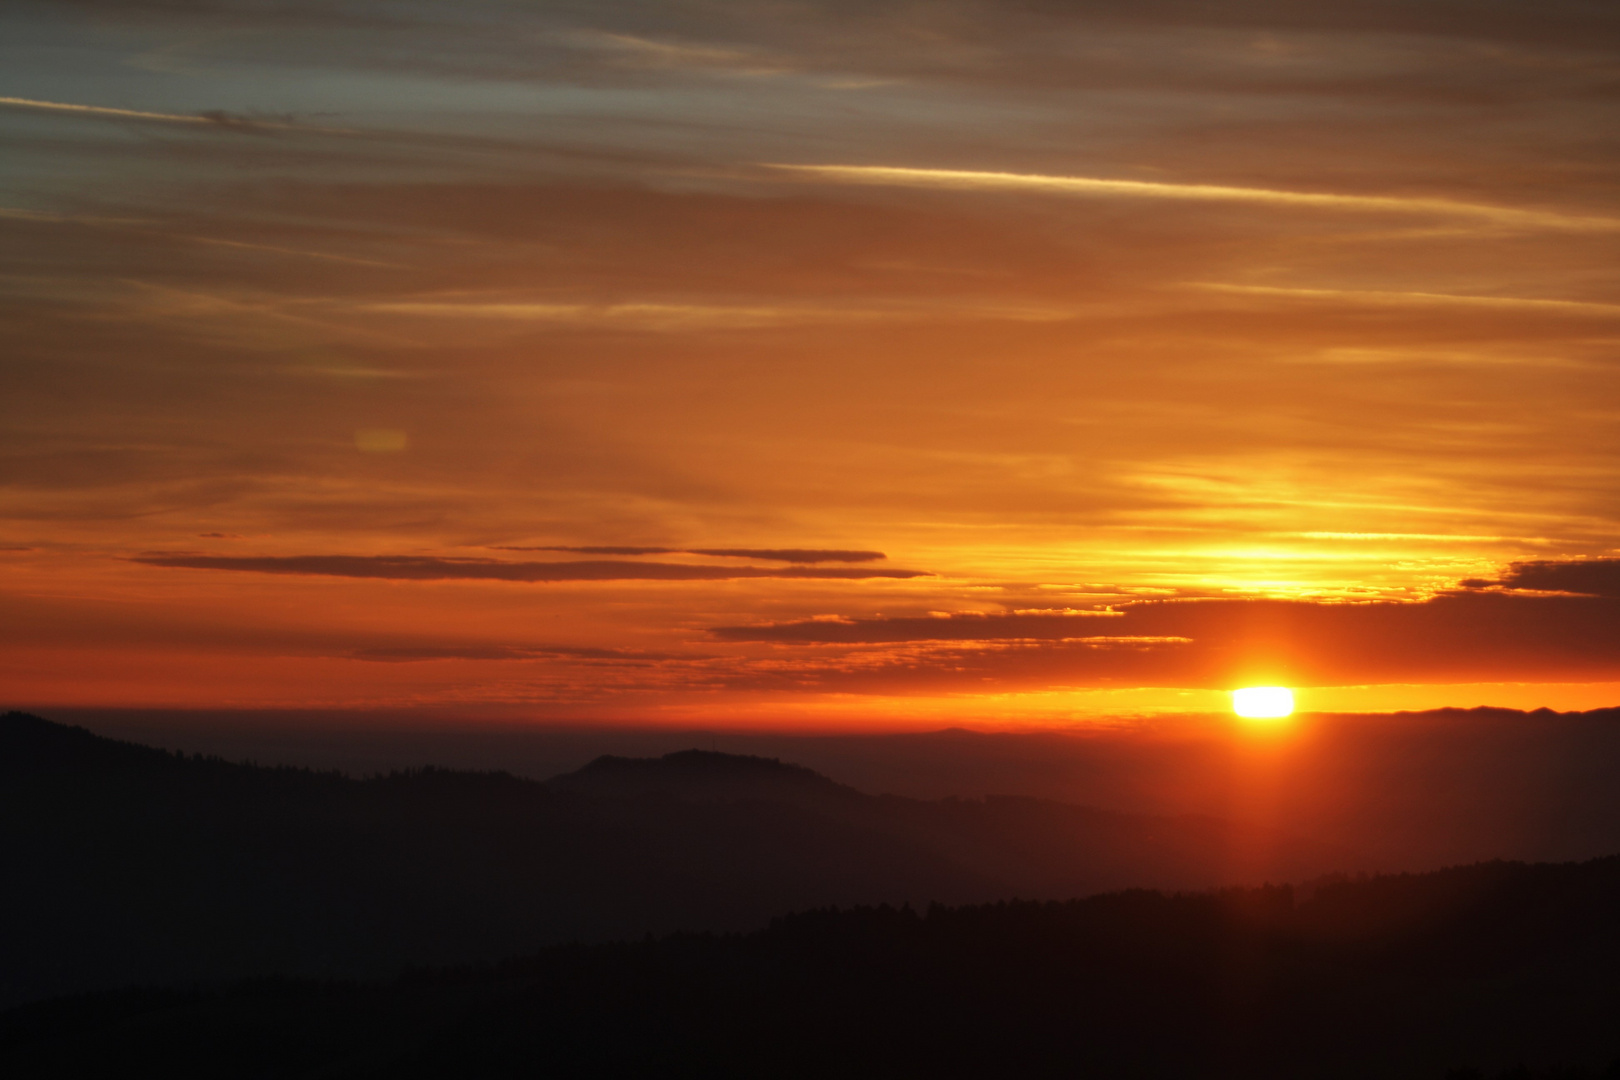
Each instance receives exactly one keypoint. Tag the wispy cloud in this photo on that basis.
(103, 110)
(967, 626)
(17, 213)
(633, 51)
(214, 118)
(149, 228)
(279, 250)
(678, 317)
(792, 555)
(1384, 296)
(409, 654)
(655, 316)
(1082, 186)
(430, 568)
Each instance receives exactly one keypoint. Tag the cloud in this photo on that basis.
(648, 315)
(101, 111)
(1456, 637)
(214, 118)
(633, 51)
(1590, 577)
(743, 261)
(431, 568)
(967, 626)
(133, 227)
(277, 249)
(793, 555)
(842, 366)
(971, 180)
(406, 654)
(1377, 296)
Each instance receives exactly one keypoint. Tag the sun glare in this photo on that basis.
(1263, 702)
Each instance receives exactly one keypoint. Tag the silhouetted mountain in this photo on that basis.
(128, 864)
(1461, 974)
(1033, 848)
(1404, 791)
(705, 776)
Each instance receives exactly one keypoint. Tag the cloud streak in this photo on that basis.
(1082, 186)
(410, 654)
(1224, 643)
(103, 111)
(792, 555)
(969, 626)
(213, 118)
(662, 316)
(1380, 296)
(429, 568)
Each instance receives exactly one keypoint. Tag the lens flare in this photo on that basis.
(1263, 702)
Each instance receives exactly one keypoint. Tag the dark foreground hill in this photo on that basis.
(126, 864)
(1466, 972)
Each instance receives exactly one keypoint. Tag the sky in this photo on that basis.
(809, 364)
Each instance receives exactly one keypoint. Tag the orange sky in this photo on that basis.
(1155, 350)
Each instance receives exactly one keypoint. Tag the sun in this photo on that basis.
(1263, 702)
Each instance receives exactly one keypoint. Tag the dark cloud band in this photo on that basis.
(1591, 577)
(1454, 637)
(414, 654)
(792, 555)
(427, 568)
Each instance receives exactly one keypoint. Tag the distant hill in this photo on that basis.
(1502, 971)
(1402, 791)
(127, 864)
(705, 776)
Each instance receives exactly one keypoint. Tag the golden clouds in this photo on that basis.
(1422, 299)
(1329, 321)
(969, 180)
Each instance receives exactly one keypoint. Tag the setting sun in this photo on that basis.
(454, 456)
(1263, 702)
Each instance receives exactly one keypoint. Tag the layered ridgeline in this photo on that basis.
(127, 864)
(130, 866)
(1501, 970)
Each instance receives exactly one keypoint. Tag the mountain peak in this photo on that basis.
(699, 775)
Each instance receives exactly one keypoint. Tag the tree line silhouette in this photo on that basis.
(1492, 970)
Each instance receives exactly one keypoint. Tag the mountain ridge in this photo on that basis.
(136, 864)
